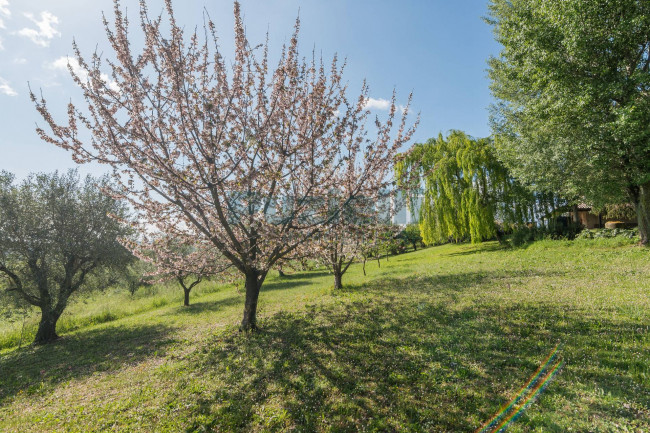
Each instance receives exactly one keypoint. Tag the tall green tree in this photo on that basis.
(573, 89)
(465, 189)
(56, 231)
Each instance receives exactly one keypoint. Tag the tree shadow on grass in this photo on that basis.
(480, 248)
(303, 275)
(293, 280)
(446, 283)
(206, 306)
(38, 369)
(284, 285)
(401, 363)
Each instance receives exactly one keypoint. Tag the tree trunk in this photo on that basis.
(47, 327)
(249, 321)
(576, 215)
(415, 246)
(642, 206)
(186, 299)
(338, 276)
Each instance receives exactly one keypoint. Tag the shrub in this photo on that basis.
(556, 230)
(522, 236)
(609, 233)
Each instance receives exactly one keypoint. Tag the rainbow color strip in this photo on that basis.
(525, 396)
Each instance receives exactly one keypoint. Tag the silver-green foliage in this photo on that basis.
(56, 233)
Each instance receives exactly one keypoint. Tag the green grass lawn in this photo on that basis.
(435, 340)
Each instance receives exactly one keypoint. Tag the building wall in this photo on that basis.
(589, 220)
(404, 215)
(592, 221)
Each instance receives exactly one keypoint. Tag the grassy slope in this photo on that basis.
(87, 309)
(435, 340)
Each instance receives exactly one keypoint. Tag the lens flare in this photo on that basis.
(525, 396)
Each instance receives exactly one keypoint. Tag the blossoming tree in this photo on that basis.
(354, 230)
(178, 258)
(241, 154)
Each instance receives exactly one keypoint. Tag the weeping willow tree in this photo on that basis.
(466, 190)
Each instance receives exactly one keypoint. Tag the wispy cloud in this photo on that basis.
(20, 60)
(377, 104)
(382, 104)
(4, 12)
(45, 31)
(6, 89)
(62, 62)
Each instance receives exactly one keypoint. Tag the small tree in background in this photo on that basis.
(386, 240)
(411, 235)
(370, 250)
(243, 156)
(55, 232)
(134, 276)
(353, 223)
(341, 244)
(186, 263)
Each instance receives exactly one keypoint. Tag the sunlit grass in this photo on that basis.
(434, 340)
(93, 308)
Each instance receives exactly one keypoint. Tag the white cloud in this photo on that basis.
(6, 88)
(20, 60)
(4, 12)
(377, 104)
(62, 64)
(46, 30)
(382, 104)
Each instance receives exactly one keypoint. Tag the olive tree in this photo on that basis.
(56, 231)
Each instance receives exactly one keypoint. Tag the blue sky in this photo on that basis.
(436, 48)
